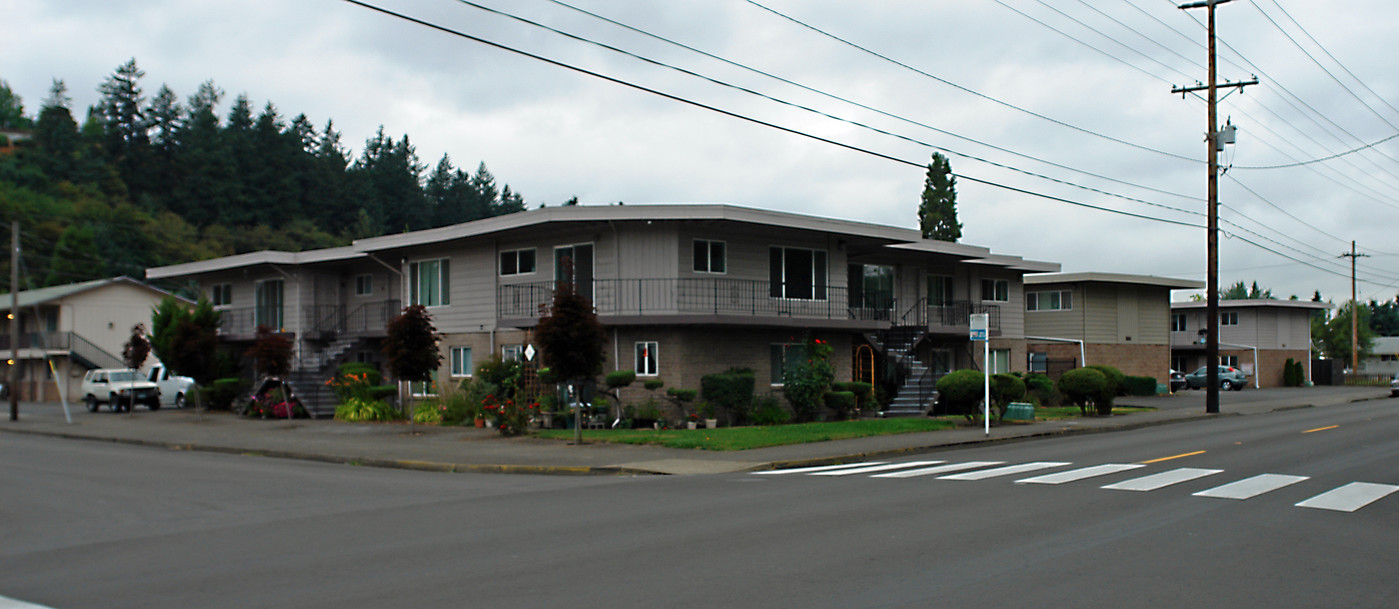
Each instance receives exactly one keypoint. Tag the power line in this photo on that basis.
(1320, 160)
(976, 93)
(749, 119)
(1318, 63)
(825, 114)
(866, 107)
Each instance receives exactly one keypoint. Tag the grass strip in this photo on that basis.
(744, 438)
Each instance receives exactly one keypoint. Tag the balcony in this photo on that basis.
(317, 321)
(704, 300)
(951, 316)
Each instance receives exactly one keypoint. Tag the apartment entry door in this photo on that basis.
(574, 264)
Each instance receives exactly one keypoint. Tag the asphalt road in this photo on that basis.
(94, 525)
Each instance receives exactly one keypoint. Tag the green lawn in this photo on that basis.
(743, 438)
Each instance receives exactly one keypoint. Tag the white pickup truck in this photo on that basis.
(174, 390)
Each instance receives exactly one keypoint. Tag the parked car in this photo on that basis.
(174, 390)
(1229, 378)
(116, 387)
(1394, 386)
(1177, 381)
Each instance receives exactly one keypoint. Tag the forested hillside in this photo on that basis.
(148, 180)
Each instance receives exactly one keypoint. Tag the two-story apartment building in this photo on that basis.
(683, 290)
(1256, 336)
(1101, 318)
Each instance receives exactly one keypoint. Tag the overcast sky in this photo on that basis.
(1075, 91)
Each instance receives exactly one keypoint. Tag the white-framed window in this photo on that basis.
(1178, 323)
(710, 256)
(648, 359)
(1000, 361)
(797, 273)
(512, 353)
(1062, 300)
(364, 285)
(1229, 360)
(517, 262)
(221, 295)
(428, 284)
(784, 356)
(461, 361)
(996, 290)
(424, 389)
(1229, 318)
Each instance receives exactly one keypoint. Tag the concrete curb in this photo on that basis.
(405, 464)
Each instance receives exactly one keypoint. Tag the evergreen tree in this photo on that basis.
(122, 116)
(332, 205)
(56, 138)
(166, 117)
(937, 214)
(11, 109)
(206, 185)
(1384, 317)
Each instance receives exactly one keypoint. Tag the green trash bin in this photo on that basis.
(1019, 411)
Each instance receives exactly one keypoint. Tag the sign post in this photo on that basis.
(979, 325)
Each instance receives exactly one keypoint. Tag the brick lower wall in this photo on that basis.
(1133, 360)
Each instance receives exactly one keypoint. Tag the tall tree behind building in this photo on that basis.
(937, 214)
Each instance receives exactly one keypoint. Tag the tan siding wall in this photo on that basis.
(1100, 315)
(1057, 324)
(1154, 307)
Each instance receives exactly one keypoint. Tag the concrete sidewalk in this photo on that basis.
(460, 449)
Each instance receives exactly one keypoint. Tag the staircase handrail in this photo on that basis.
(920, 307)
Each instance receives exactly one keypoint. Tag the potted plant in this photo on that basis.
(692, 421)
(710, 422)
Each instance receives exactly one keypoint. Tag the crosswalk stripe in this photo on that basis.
(1350, 497)
(9, 603)
(818, 468)
(940, 469)
(1080, 474)
(1251, 487)
(1163, 479)
(875, 468)
(1005, 471)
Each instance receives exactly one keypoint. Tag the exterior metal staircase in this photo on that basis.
(311, 373)
(919, 388)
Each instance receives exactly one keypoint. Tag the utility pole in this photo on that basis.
(1214, 143)
(13, 379)
(1354, 311)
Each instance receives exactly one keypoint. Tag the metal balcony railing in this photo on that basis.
(700, 296)
(332, 320)
(949, 315)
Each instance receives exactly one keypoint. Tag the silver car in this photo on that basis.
(1394, 386)
(1229, 378)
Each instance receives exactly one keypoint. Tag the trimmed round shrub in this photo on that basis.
(1085, 386)
(1006, 388)
(1041, 389)
(221, 394)
(961, 391)
(1116, 381)
(864, 392)
(620, 378)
